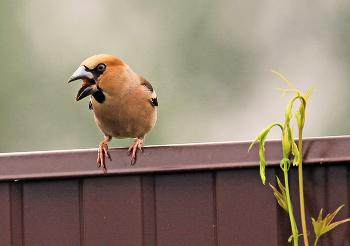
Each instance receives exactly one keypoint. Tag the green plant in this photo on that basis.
(289, 145)
(322, 226)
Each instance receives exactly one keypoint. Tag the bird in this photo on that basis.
(124, 103)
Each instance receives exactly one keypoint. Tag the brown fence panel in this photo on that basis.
(51, 212)
(185, 209)
(202, 194)
(6, 215)
(112, 210)
(247, 212)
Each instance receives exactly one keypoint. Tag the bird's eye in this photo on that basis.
(101, 68)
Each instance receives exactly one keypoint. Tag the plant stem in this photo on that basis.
(316, 241)
(301, 188)
(290, 208)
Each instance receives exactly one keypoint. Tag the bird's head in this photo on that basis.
(96, 72)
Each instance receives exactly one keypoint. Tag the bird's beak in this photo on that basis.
(89, 86)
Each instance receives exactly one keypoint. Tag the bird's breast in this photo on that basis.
(128, 117)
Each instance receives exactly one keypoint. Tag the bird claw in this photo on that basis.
(102, 152)
(136, 145)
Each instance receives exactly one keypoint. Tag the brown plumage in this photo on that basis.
(124, 103)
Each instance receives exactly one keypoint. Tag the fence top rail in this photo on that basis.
(187, 157)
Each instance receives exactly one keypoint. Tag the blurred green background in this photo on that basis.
(209, 62)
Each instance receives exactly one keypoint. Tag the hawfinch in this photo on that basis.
(123, 102)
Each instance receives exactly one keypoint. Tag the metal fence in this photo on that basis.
(200, 194)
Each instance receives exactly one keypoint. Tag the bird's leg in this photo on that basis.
(102, 152)
(136, 145)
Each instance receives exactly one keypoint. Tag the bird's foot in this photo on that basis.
(102, 152)
(136, 145)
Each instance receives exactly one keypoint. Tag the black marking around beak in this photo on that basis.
(85, 91)
(90, 85)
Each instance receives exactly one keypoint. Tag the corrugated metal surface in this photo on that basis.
(202, 194)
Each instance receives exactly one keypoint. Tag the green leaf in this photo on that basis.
(262, 137)
(300, 114)
(285, 144)
(295, 150)
(296, 154)
(298, 117)
(281, 196)
(323, 226)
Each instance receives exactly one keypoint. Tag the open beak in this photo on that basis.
(89, 86)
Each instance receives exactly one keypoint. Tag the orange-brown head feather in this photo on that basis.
(118, 79)
(109, 60)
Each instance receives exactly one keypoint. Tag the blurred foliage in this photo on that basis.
(209, 62)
